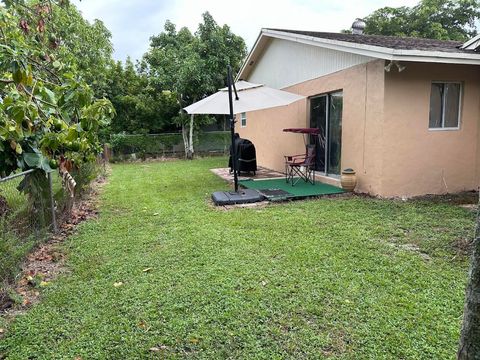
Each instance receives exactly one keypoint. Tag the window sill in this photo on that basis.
(444, 129)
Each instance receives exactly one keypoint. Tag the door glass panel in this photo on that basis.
(318, 119)
(335, 133)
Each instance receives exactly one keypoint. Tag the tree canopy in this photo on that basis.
(88, 44)
(192, 66)
(54, 65)
(434, 19)
(47, 110)
(140, 107)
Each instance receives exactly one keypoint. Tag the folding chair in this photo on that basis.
(301, 166)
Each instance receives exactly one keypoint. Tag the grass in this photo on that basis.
(305, 279)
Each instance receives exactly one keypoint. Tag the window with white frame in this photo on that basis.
(243, 118)
(445, 100)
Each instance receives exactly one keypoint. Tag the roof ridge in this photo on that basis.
(386, 41)
(358, 35)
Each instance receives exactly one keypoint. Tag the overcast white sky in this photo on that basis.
(132, 22)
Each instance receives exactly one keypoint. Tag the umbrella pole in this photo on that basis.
(232, 126)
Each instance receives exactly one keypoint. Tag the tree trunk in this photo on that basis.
(190, 139)
(185, 139)
(469, 348)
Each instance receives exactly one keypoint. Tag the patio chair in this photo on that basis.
(301, 167)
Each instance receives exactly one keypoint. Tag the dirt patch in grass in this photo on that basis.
(463, 246)
(462, 198)
(414, 248)
(47, 261)
(257, 205)
(338, 344)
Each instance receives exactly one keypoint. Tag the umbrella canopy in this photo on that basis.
(251, 97)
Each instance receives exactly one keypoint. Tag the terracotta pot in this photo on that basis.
(348, 179)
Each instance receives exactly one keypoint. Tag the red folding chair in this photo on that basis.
(301, 167)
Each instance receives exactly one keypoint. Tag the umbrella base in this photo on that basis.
(246, 196)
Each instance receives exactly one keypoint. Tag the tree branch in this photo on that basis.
(46, 69)
(33, 97)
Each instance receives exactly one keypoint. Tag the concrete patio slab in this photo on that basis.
(261, 173)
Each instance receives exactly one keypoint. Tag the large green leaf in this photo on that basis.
(33, 160)
(36, 160)
(49, 96)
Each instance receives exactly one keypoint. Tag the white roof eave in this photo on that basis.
(249, 56)
(368, 50)
(471, 44)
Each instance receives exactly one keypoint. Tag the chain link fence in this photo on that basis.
(27, 215)
(33, 204)
(131, 147)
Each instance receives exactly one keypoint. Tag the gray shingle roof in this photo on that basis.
(391, 42)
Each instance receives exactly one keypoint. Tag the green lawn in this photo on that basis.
(305, 279)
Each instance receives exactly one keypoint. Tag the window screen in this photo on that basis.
(444, 105)
(452, 105)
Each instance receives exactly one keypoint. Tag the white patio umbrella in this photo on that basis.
(251, 97)
(248, 97)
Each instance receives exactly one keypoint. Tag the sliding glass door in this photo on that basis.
(326, 114)
(318, 119)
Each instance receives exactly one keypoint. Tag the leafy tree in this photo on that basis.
(192, 66)
(89, 44)
(433, 19)
(139, 107)
(46, 110)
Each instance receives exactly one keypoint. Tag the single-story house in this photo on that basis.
(404, 113)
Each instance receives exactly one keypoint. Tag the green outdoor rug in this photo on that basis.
(299, 190)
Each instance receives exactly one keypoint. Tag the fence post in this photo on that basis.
(52, 202)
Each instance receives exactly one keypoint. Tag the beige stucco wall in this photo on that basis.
(420, 161)
(362, 87)
(385, 135)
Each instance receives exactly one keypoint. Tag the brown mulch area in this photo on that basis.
(462, 198)
(47, 261)
(3, 206)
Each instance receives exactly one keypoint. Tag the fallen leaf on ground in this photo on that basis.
(117, 284)
(155, 214)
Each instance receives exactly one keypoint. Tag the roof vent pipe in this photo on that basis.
(358, 26)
